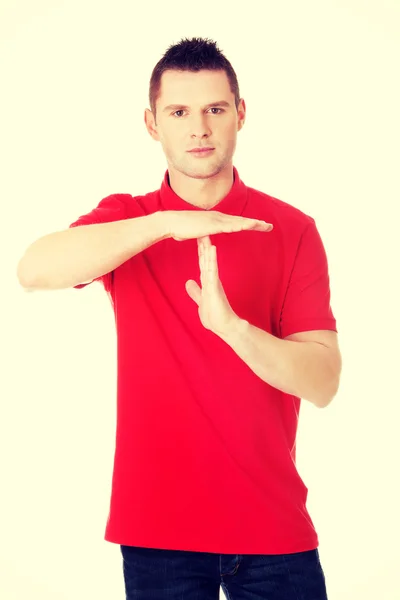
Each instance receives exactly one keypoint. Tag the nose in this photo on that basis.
(199, 127)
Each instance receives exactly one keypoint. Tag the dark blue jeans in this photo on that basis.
(154, 574)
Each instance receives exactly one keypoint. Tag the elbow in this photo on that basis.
(332, 387)
(23, 277)
(324, 400)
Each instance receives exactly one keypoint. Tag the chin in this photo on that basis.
(205, 173)
(205, 168)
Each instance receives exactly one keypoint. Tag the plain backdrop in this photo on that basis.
(321, 85)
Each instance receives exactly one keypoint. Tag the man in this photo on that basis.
(205, 491)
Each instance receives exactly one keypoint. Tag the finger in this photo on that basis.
(211, 268)
(258, 224)
(205, 267)
(207, 246)
(214, 263)
(202, 263)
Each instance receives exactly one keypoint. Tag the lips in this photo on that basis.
(202, 149)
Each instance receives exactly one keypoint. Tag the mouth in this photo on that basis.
(202, 152)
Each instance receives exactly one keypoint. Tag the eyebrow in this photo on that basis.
(181, 106)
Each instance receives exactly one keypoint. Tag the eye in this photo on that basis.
(212, 108)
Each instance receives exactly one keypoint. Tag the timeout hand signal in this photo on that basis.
(215, 312)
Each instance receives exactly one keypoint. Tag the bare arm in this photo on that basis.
(80, 254)
(307, 369)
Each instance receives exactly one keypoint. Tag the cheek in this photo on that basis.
(229, 131)
(174, 135)
(168, 139)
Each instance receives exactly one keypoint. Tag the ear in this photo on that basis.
(241, 113)
(151, 125)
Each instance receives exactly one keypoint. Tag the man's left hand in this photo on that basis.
(215, 312)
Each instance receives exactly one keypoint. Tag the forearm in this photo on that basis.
(79, 254)
(303, 369)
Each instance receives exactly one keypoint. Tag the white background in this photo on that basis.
(321, 84)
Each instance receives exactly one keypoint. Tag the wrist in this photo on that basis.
(237, 328)
(162, 224)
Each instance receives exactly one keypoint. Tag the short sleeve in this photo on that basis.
(110, 208)
(306, 305)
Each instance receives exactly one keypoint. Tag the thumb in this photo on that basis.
(194, 291)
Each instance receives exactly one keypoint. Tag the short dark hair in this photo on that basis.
(192, 55)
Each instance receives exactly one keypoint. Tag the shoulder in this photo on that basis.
(135, 205)
(284, 215)
(128, 205)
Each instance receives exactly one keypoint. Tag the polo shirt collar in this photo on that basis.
(233, 203)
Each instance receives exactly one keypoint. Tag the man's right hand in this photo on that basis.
(186, 224)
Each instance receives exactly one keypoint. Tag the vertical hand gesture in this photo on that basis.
(215, 312)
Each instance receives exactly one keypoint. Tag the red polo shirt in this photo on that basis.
(205, 450)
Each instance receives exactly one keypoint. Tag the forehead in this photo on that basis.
(182, 86)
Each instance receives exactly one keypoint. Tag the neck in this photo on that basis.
(204, 193)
